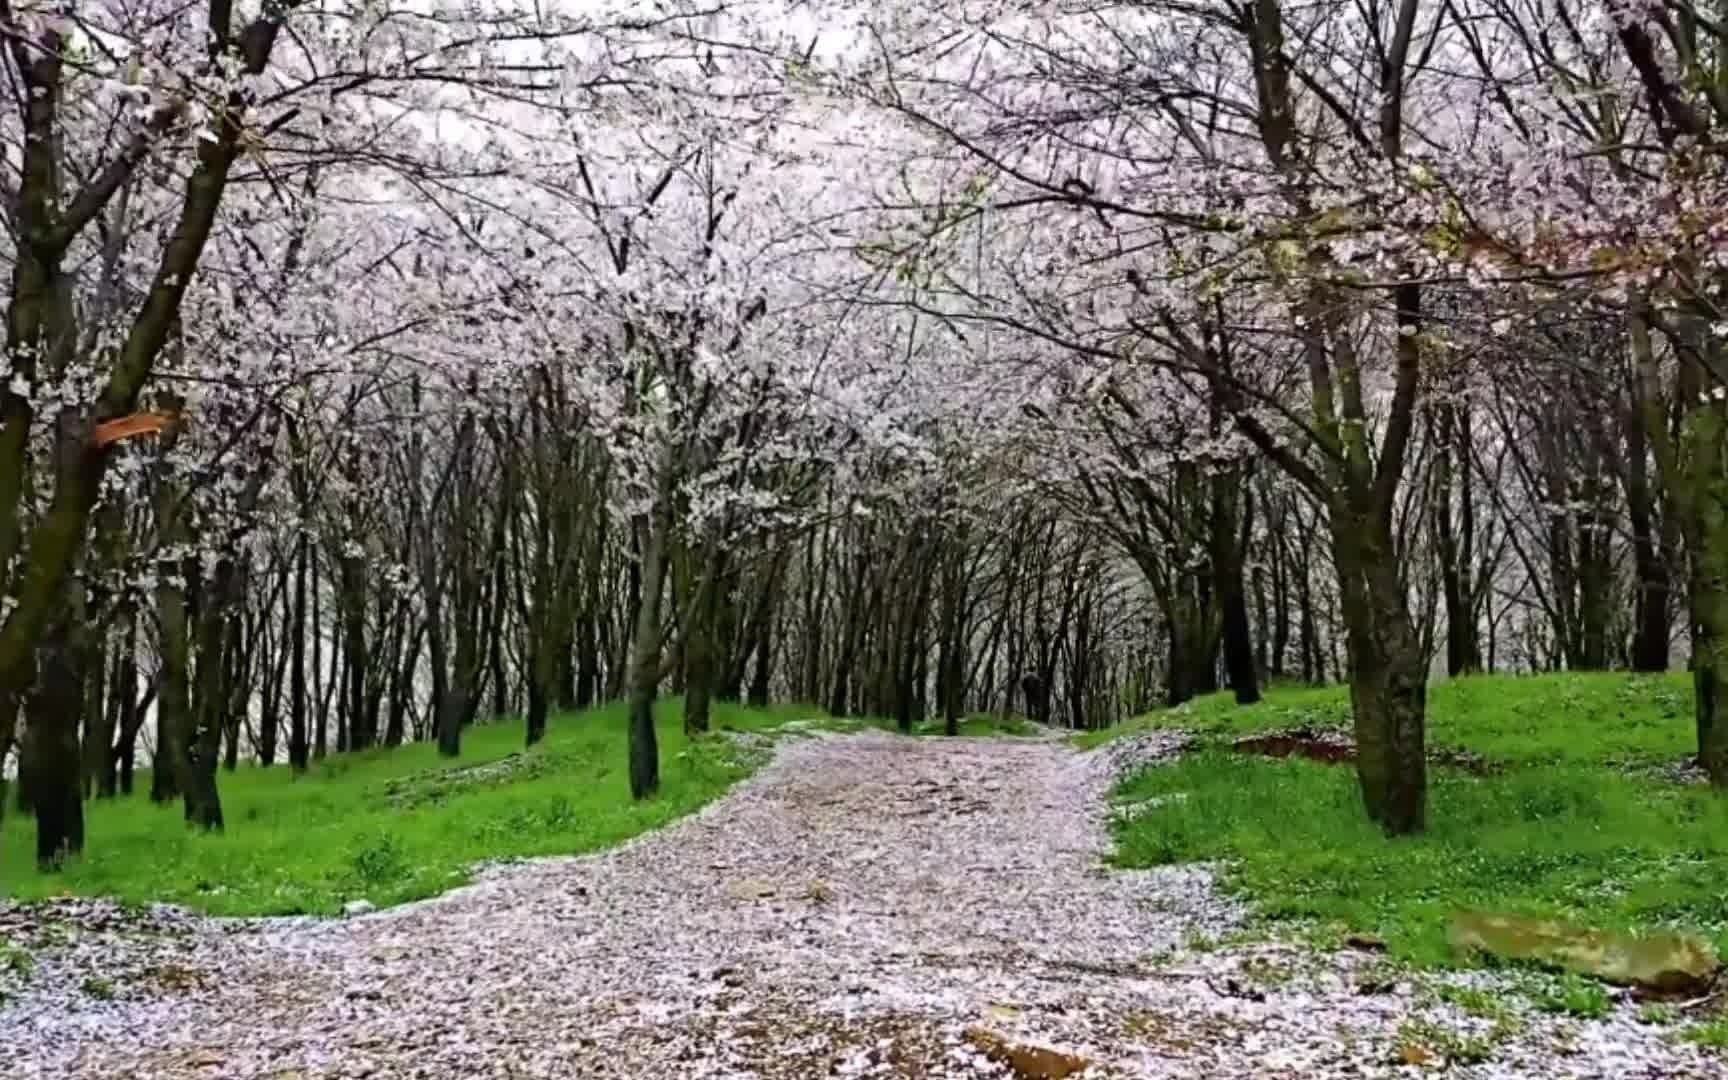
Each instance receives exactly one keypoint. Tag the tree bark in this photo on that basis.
(1388, 677)
(1231, 522)
(49, 766)
(645, 655)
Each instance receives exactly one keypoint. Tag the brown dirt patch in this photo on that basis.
(1336, 748)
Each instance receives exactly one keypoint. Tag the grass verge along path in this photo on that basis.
(389, 826)
(1577, 822)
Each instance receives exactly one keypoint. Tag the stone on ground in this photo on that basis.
(1665, 962)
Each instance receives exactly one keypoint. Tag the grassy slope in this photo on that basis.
(1564, 830)
(1589, 719)
(310, 845)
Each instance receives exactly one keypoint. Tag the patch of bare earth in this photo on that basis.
(866, 906)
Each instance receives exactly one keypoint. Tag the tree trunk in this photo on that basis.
(763, 671)
(351, 572)
(132, 709)
(1231, 521)
(402, 689)
(645, 655)
(1388, 677)
(1651, 619)
(537, 711)
(453, 709)
(587, 666)
(1709, 605)
(174, 706)
(270, 708)
(703, 641)
(321, 706)
(49, 765)
(98, 717)
(216, 602)
(542, 679)
(1455, 540)
(299, 748)
(1239, 646)
(122, 693)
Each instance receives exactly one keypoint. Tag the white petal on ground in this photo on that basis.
(854, 910)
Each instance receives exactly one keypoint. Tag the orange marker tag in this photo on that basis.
(125, 427)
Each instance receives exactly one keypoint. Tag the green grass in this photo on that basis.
(982, 726)
(1564, 831)
(1710, 1034)
(388, 826)
(1476, 1001)
(975, 726)
(1593, 719)
(1572, 995)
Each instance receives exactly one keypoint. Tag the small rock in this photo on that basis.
(1665, 962)
(358, 907)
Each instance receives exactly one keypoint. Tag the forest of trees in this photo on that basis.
(376, 372)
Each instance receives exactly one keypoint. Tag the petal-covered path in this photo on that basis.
(865, 906)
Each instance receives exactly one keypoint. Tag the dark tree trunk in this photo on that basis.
(49, 765)
(122, 694)
(763, 671)
(402, 690)
(700, 645)
(1280, 600)
(1193, 651)
(233, 681)
(203, 804)
(1709, 604)
(1232, 518)
(497, 674)
(645, 658)
(321, 717)
(1694, 462)
(1239, 648)
(729, 642)
(1262, 624)
(1455, 538)
(270, 708)
(587, 662)
(98, 716)
(352, 575)
(132, 716)
(1178, 684)
(299, 748)
(1388, 677)
(453, 711)
(128, 751)
(1651, 603)
(174, 707)
(1308, 634)
(537, 712)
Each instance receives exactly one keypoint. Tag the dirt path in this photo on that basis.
(866, 906)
